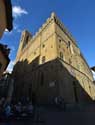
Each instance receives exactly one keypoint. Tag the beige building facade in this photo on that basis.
(50, 64)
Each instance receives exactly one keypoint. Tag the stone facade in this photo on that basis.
(50, 64)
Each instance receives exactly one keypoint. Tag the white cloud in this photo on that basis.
(10, 66)
(17, 29)
(18, 11)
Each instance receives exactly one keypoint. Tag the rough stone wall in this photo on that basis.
(70, 54)
(48, 81)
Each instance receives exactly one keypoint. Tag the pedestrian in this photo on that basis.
(18, 109)
(7, 110)
(30, 108)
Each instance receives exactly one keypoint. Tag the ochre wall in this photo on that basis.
(42, 45)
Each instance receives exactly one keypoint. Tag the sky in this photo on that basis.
(77, 15)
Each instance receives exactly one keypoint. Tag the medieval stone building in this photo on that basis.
(50, 64)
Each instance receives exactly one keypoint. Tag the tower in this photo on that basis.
(51, 64)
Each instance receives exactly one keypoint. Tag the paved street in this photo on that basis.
(60, 118)
(23, 122)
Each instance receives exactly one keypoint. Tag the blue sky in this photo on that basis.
(77, 15)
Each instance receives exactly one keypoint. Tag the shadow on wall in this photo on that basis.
(44, 82)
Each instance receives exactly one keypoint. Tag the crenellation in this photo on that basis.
(42, 28)
(64, 29)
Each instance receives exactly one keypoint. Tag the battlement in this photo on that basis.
(54, 18)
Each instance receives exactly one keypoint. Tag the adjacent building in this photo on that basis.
(5, 23)
(4, 58)
(50, 64)
(93, 68)
(5, 16)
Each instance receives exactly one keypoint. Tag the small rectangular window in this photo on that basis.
(43, 45)
(59, 40)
